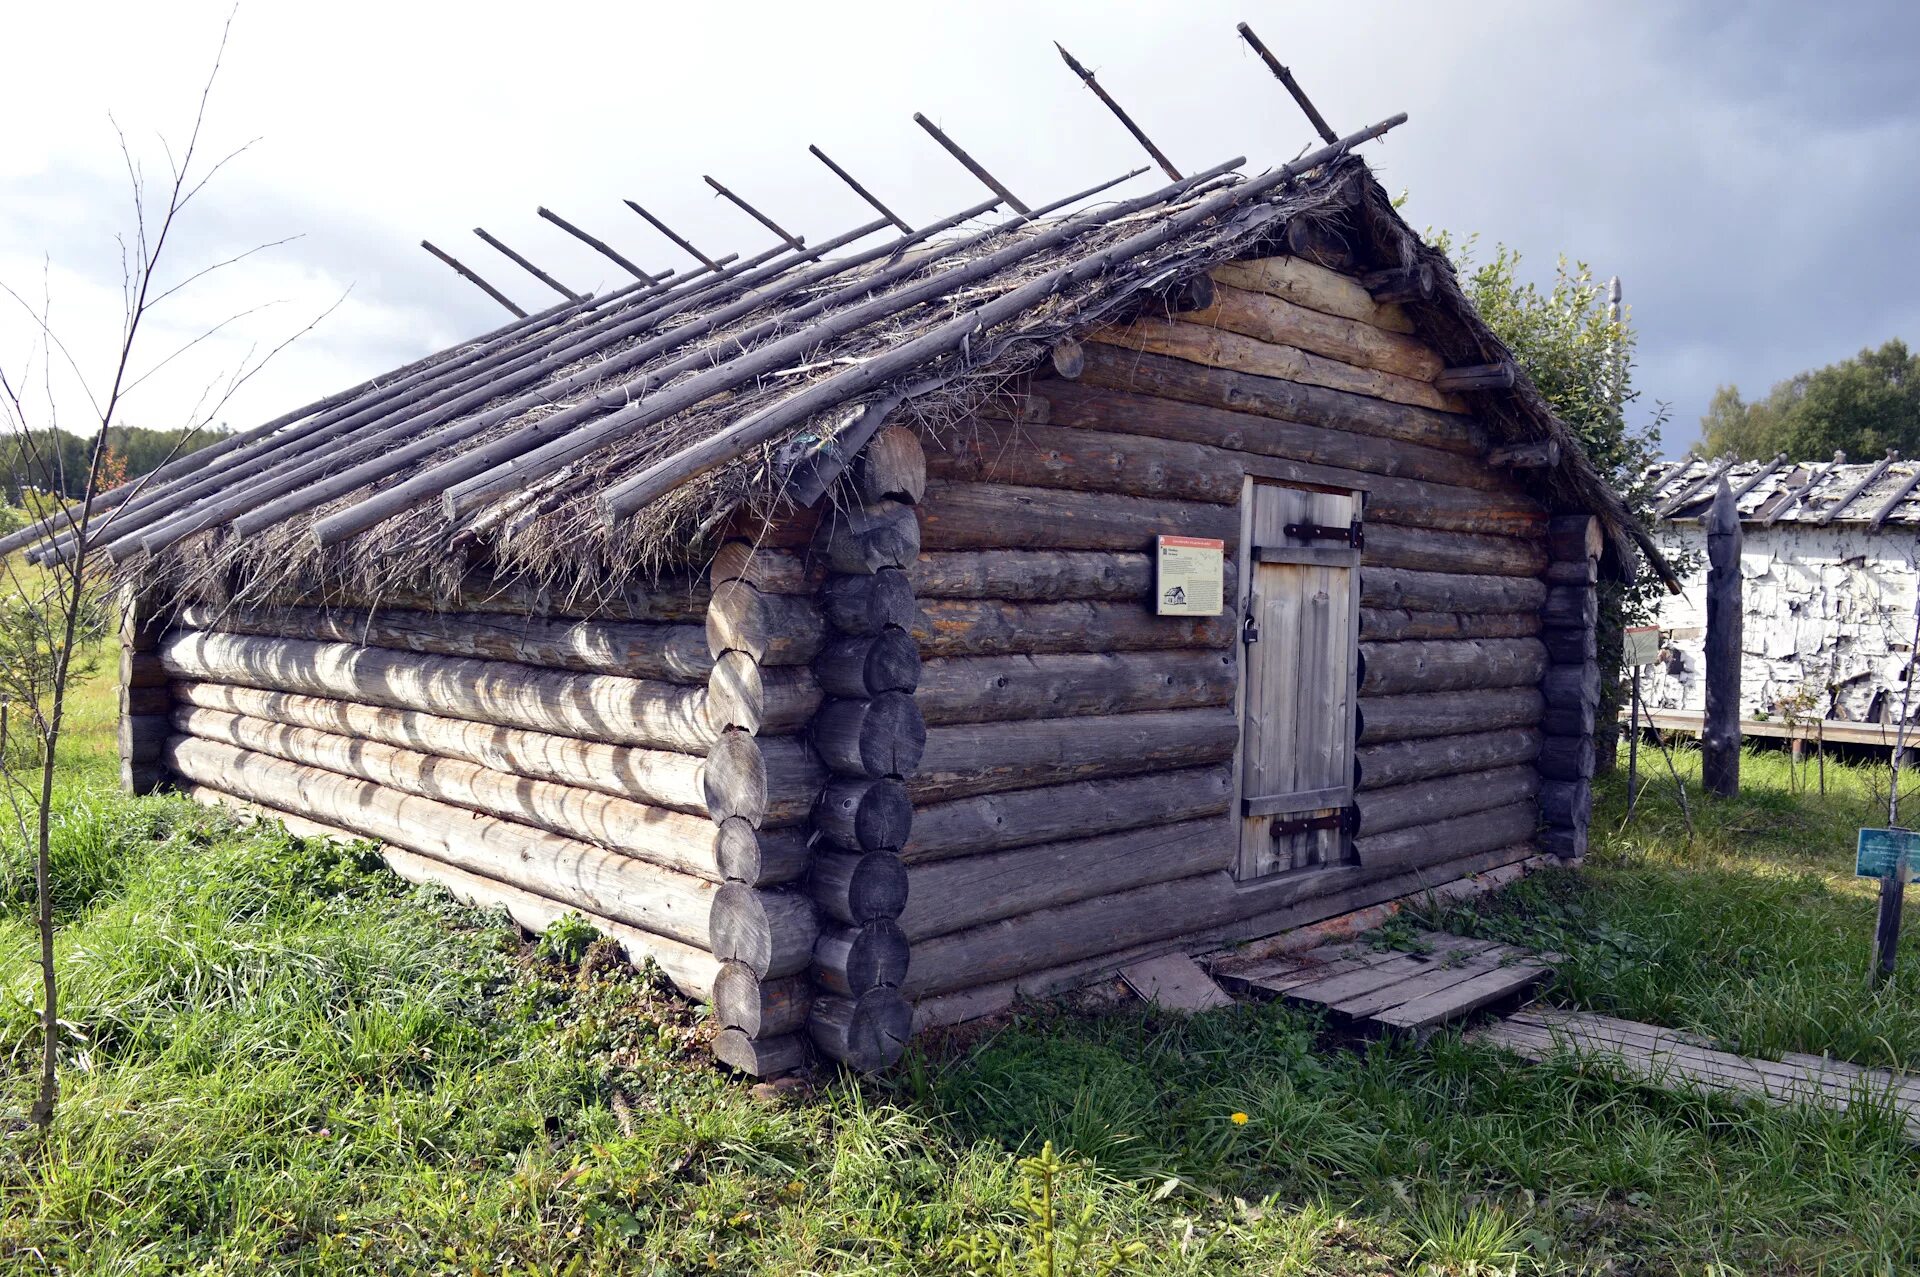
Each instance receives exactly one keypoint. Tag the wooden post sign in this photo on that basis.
(1189, 576)
(1640, 646)
(1886, 854)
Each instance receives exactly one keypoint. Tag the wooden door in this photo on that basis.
(1301, 655)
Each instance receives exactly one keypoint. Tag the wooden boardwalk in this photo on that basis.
(1672, 1060)
(1389, 989)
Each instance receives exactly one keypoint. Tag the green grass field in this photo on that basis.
(281, 1059)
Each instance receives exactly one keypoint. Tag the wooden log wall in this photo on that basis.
(870, 734)
(649, 774)
(1074, 799)
(145, 701)
(1570, 684)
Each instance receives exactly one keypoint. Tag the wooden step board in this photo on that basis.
(1415, 992)
(1672, 1060)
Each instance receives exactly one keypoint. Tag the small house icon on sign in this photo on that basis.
(1176, 595)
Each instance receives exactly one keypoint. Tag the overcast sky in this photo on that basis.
(1747, 169)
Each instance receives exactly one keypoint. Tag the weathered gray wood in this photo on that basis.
(1392, 625)
(1573, 572)
(767, 569)
(1571, 685)
(674, 653)
(675, 840)
(760, 1008)
(1427, 550)
(1565, 802)
(882, 735)
(774, 629)
(851, 961)
(1406, 761)
(1086, 461)
(602, 707)
(1566, 757)
(991, 627)
(760, 857)
(142, 669)
(998, 821)
(621, 887)
(1566, 842)
(999, 688)
(1575, 537)
(760, 1057)
(865, 815)
(143, 737)
(1400, 284)
(1411, 502)
(866, 665)
(1277, 319)
(1425, 714)
(139, 701)
(1455, 837)
(855, 888)
(637, 599)
(743, 694)
(1449, 592)
(763, 781)
(1314, 287)
(1571, 646)
(864, 539)
(1427, 802)
(977, 759)
(1460, 998)
(1538, 454)
(892, 467)
(1720, 727)
(1498, 376)
(868, 603)
(866, 1034)
(1569, 717)
(1437, 666)
(1033, 576)
(1210, 421)
(769, 930)
(960, 892)
(1571, 607)
(992, 516)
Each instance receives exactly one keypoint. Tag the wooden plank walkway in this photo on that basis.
(1673, 1060)
(1409, 992)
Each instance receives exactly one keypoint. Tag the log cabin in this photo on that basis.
(868, 636)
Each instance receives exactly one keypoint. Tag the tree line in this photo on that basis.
(56, 461)
(1861, 406)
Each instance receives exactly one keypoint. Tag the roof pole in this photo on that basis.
(987, 179)
(1285, 77)
(473, 279)
(1146, 143)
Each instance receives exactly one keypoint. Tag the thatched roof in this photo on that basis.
(1879, 494)
(611, 436)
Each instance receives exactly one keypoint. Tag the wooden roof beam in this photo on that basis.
(527, 266)
(1879, 468)
(1760, 475)
(1799, 494)
(684, 245)
(1686, 494)
(1146, 143)
(1892, 503)
(861, 191)
(1285, 77)
(972, 165)
(794, 242)
(460, 269)
(597, 245)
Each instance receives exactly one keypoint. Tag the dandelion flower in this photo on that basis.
(1238, 1119)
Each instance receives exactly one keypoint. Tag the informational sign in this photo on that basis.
(1886, 853)
(1642, 646)
(1190, 576)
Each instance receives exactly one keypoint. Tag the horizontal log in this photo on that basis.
(1565, 802)
(1449, 591)
(1391, 625)
(858, 887)
(1421, 715)
(675, 840)
(678, 906)
(1398, 668)
(863, 539)
(768, 930)
(1306, 284)
(143, 778)
(760, 1008)
(1566, 757)
(774, 629)
(1033, 576)
(1067, 358)
(892, 467)
(771, 700)
(991, 516)
(143, 737)
(1078, 809)
(139, 701)
(866, 1034)
(1575, 536)
(963, 760)
(673, 653)
(760, 857)
(1350, 341)
(1573, 572)
(865, 815)
(631, 598)
(1217, 348)
(1426, 550)
(767, 569)
(1569, 718)
(1563, 841)
(604, 707)
(1571, 647)
(851, 961)
(1406, 761)
(1112, 412)
(1540, 454)
(1571, 685)
(883, 735)
(974, 689)
(867, 603)
(762, 780)
(868, 664)
(1286, 400)
(1460, 836)
(777, 791)
(1085, 461)
(1411, 502)
(1400, 283)
(991, 627)
(142, 669)
(1425, 803)
(1571, 607)
(1498, 376)
(761, 1057)
(965, 891)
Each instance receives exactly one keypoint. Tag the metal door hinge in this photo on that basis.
(1346, 819)
(1351, 533)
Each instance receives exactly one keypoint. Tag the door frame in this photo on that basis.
(1243, 596)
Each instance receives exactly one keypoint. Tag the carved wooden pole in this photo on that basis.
(1720, 733)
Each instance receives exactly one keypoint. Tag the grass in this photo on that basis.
(281, 1059)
